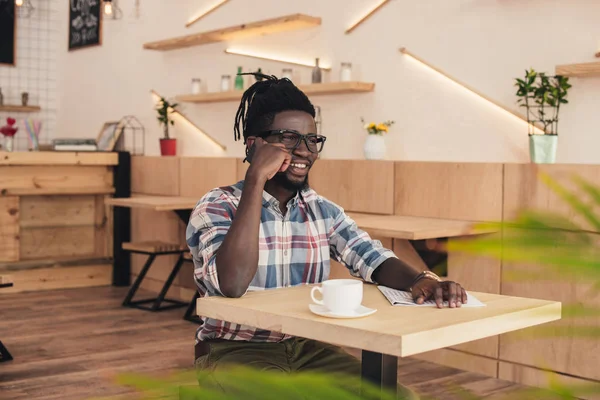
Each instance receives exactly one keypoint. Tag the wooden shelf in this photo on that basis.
(313, 89)
(15, 108)
(266, 27)
(579, 70)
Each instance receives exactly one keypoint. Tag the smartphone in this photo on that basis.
(250, 153)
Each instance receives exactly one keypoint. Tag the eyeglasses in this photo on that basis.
(292, 139)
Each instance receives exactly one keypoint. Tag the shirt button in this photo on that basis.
(285, 252)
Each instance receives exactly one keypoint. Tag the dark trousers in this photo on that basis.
(293, 355)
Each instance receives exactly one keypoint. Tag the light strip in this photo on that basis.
(373, 11)
(190, 123)
(203, 14)
(259, 56)
(470, 89)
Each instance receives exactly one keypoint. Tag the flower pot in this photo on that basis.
(374, 147)
(9, 143)
(542, 148)
(168, 147)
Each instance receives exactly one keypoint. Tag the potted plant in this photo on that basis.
(542, 96)
(168, 145)
(375, 144)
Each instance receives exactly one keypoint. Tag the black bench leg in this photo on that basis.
(4, 354)
(136, 285)
(168, 283)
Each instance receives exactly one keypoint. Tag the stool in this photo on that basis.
(189, 313)
(153, 249)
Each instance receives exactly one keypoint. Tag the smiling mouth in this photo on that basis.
(299, 168)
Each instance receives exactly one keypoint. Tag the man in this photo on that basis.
(271, 230)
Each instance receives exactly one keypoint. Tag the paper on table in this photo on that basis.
(401, 298)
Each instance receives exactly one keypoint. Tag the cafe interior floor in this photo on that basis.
(69, 344)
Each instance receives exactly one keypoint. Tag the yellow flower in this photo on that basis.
(382, 127)
(372, 125)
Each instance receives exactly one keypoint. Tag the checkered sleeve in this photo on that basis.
(353, 247)
(209, 223)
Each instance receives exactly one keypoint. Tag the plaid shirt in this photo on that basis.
(294, 249)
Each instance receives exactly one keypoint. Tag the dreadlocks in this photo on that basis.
(263, 100)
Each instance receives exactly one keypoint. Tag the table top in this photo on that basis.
(415, 228)
(157, 203)
(395, 330)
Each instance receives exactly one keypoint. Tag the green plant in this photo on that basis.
(542, 96)
(164, 109)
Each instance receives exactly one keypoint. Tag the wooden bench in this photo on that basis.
(153, 249)
(5, 355)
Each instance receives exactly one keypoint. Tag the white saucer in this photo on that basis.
(360, 312)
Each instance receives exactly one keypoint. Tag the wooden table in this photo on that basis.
(415, 228)
(157, 203)
(389, 333)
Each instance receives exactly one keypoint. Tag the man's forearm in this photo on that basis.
(395, 274)
(237, 258)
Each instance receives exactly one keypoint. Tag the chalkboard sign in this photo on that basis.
(85, 23)
(8, 32)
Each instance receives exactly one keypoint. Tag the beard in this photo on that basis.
(282, 179)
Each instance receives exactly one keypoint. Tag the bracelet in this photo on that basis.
(424, 275)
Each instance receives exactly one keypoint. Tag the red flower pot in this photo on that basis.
(168, 147)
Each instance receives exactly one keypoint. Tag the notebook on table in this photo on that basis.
(402, 298)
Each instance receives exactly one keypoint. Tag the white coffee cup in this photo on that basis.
(340, 296)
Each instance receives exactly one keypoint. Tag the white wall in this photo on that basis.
(35, 71)
(485, 43)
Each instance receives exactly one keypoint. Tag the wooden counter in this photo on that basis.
(52, 208)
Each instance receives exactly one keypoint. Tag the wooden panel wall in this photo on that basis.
(199, 175)
(38, 180)
(356, 185)
(9, 228)
(524, 189)
(566, 353)
(155, 175)
(466, 191)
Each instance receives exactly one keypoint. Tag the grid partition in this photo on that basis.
(35, 71)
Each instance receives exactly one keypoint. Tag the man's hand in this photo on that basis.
(427, 289)
(268, 159)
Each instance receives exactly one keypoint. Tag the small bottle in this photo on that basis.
(196, 85)
(24, 99)
(225, 83)
(259, 78)
(316, 73)
(346, 72)
(318, 119)
(239, 80)
(1, 98)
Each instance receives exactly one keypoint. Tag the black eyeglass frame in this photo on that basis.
(301, 137)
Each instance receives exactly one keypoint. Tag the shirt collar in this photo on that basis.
(269, 200)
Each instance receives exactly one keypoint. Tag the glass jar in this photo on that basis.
(287, 73)
(196, 85)
(9, 143)
(346, 72)
(225, 83)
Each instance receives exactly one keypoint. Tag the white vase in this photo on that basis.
(542, 148)
(375, 147)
